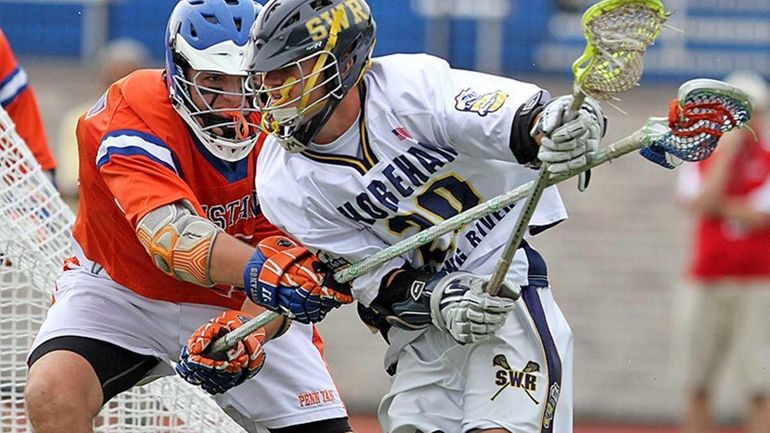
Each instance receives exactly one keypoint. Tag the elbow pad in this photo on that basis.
(522, 144)
(179, 242)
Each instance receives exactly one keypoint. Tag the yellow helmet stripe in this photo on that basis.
(331, 42)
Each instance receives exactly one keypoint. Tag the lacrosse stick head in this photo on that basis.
(703, 110)
(617, 33)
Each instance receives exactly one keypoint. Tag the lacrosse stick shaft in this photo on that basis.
(700, 96)
(577, 100)
(354, 270)
(612, 151)
(232, 338)
(522, 223)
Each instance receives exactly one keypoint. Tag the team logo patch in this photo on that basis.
(98, 106)
(416, 290)
(524, 379)
(481, 104)
(283, 242)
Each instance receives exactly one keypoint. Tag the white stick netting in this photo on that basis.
(35, 233)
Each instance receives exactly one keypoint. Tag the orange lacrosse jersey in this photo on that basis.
(17, 98)
(137, 154)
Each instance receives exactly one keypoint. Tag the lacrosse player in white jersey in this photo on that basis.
(365, 152)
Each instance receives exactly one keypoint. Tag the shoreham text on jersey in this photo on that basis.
(400, 179)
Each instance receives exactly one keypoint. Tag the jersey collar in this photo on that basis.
(368, 158)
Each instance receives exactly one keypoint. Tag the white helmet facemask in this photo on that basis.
(211, 98)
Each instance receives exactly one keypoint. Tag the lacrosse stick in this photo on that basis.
(617, 34)
(703, 111)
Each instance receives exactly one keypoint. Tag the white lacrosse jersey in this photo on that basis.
(430, 142)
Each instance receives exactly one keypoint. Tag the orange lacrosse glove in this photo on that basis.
(220, 371)
(285, 277)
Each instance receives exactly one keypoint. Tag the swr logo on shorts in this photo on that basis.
(508, 377)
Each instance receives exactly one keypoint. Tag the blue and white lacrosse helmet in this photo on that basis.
(205, 44)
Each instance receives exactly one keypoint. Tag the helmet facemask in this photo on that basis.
(205, 44)
(302, 96)
(299, 76)
(228, 130)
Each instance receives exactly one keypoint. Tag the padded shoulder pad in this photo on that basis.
(522, 144)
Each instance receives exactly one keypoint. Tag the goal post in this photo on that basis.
(35, 238)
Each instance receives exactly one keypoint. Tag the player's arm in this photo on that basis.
(18, 99)
(710, 196)
(712, 199)
(191, 248)
(278, 274)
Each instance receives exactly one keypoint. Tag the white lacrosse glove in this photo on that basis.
(568, 142)
(459, 305)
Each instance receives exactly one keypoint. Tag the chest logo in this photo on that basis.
(482, 104)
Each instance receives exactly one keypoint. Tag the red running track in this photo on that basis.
(368, 424)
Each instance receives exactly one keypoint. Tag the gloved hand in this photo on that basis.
(287, 278)
(569, 138)
(218, 372)
(459, 305)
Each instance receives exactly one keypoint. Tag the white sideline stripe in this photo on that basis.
(124, 141)
(12, 87)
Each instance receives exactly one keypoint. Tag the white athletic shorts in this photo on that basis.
(722, 319)
(88, 305)
(520, 379)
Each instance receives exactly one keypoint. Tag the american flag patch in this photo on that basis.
(402, 133)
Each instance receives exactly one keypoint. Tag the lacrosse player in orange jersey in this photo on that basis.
(167, 220)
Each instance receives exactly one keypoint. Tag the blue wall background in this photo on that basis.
(56, 29)
(717, 36)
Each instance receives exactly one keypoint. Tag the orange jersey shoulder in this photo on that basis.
(136, 154)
